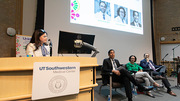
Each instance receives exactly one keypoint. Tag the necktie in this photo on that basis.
(122, 21)
(151, 66)
(104, 16)
(114, 64)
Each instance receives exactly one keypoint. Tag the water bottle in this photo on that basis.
(134, 91)
(29, 55)
(109, 98)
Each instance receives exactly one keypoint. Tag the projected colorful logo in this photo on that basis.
(74, 9)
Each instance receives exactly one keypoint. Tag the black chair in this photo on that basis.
(107, 81)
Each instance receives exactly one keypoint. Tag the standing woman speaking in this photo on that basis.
(38, 46)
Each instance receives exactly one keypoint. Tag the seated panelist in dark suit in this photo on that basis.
(158, 71)
(120, 74)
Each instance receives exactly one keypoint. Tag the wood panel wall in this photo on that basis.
(11, 16)
(166, 16)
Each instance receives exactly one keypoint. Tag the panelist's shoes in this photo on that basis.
(148, 88)
(159, 77)
(172, 93)
(149, 94)
(145, 88)
(160, 86)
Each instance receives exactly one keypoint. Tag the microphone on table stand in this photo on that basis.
(164, 58)
(50, 45)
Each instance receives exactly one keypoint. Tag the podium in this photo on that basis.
(16, 78)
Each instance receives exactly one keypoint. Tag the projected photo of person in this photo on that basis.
(135, 18)
(120, 14)
(102, 10)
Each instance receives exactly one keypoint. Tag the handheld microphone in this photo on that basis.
(165, 56)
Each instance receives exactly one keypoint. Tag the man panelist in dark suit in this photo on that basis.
(120, 74)
(158, 71)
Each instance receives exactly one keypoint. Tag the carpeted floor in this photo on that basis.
(119, 94)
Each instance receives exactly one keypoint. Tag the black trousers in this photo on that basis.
(165, 81)
(125, 78)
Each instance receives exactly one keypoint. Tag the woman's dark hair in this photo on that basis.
(35, 37)
(110, 51)
(132, 56)
(122, 9)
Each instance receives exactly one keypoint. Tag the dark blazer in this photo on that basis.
(107, 68)
(144, 64)
(133, 24)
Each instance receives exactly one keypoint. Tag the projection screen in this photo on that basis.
(124, 38)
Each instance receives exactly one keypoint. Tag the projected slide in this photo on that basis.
(122, 15)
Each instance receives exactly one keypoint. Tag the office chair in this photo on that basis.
(107, 81)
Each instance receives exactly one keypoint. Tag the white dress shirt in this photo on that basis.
(119, 20)
(38, 53)
(99, 15)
